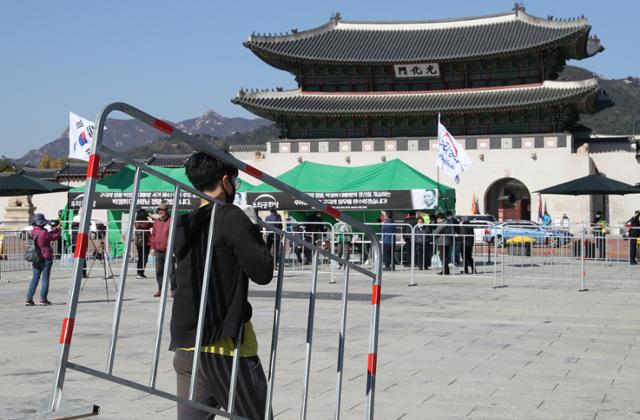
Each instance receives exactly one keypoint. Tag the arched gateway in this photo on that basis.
(508, 198)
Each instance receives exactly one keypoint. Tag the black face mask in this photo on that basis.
(229, 198)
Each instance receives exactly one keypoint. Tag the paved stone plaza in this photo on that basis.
(449, 348)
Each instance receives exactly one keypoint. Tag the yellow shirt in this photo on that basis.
(225, 346)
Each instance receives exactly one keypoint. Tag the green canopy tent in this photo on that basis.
(391, 185)
(113, 193)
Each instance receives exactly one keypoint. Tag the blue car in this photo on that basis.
(541, 234)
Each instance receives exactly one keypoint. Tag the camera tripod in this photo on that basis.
(100, 253)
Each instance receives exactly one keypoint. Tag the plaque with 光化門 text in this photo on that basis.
(406, 71)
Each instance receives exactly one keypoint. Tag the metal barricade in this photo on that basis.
(80, 256)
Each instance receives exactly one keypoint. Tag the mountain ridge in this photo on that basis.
(128, 134)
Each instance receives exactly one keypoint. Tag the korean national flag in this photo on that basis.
(80, 137)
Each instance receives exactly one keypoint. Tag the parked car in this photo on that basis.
(543, 235)
(484, 223)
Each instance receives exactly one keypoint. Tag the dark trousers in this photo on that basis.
(343, 251)
(424, 252)
(468, 256)
(419, 254)
(632, 250)
(601, 246)
(212, 386)
(143, 257)
(445, 254)
(271, 239)
(161, 257)
(387, 256)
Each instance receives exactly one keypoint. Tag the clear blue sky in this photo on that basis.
(178, 59)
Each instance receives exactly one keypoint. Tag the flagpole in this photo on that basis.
(438, 166)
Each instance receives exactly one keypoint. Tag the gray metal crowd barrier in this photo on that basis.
(80, 256)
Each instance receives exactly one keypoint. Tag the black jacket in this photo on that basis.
(634, 231)
(239, 255)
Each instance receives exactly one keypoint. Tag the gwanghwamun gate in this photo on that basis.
(372, 91)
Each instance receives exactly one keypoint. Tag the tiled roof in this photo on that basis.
(112, 167)
(296, 102)
(340, 41)
(46, 174)
(73, 170)
(168, 161)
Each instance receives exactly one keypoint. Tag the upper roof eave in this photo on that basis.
(283, 45)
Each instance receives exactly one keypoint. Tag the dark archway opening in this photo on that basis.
(508, 198)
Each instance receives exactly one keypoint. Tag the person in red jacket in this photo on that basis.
(159, 238)
(42, 239)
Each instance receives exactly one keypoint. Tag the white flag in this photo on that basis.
(80, 137)
(452, 158)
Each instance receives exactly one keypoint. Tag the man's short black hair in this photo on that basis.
(206, 171)
(449, 213)
(273, 209)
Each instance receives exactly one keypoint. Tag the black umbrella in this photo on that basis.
(17, 184)
(591, 185)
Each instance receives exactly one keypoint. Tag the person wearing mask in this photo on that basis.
(239, 255)
(142, 240)
(634, 234)
(275, 220)
(388, 231)
(158, 239)
(444, 241)
(42, 239)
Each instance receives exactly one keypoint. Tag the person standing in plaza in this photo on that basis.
(142, 240)
(407, 232)
(344, 242)
(599, 226)
(158, 239)
(468, 240)
(275, 220)
(388, 231)
(423, 244)
(239, 255)
(42, 239)
(444, 241)
(634, 234)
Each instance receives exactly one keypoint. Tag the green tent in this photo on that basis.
(391, 185)
(152, 190)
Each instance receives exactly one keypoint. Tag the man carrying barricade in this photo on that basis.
(239, 254)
